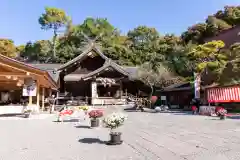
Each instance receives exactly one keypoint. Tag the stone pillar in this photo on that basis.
(94, 91)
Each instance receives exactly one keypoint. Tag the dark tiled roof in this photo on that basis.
(92, 47)
(50, 68)
(108, 64)
(133, 71)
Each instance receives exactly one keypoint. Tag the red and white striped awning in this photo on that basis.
(225, 94)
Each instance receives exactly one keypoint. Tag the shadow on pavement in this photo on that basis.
(133, 109)
(85, 127)
(91, 141)
(184, 113)
(70, 120)
(233, 117)
(11, 115)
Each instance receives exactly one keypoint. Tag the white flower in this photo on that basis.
(115, 120)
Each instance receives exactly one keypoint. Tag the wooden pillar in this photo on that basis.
(50, 95)
(30, 100)
(38, 95)
(120, 89)
(50, 92)
(43, 98)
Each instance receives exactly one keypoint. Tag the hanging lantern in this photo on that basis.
(19, 84)
(8, 77)
(15, 78)
(20, 81)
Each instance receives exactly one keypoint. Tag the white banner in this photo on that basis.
(197, 84)
(94, 89)
(29, 87)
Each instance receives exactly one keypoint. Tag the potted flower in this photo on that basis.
(95, 115)
(27, 113)
(194, 110)
(222, 113)
(217, 109)
(113, 121)
(85, 110)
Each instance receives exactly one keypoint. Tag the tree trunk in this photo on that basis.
(197, 85)
(150, 96)
(54, 43)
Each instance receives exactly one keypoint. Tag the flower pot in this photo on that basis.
(222, 117)
(26, 115)
(95, 122)
(115, 138)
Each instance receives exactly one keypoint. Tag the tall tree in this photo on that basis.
(39, 51)
(230, 14)
(215, 25)
(231, 73)
(207, 58)
(7, 48)
(53, 18)
(143, 42)
(161, 78)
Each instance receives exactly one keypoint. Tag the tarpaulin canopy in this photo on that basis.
(224, 94)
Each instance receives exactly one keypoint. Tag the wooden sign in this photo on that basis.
(163, 98)
(94, 89)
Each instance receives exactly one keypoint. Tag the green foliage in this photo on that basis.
(161, 78)
(207, 56)
(214, 24)
(230, 14)
(7, 48)
(142, 45)
(39, 51)
(53, 18)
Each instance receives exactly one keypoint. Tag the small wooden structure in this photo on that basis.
(13, 75)
(97, 79)
(177, 95)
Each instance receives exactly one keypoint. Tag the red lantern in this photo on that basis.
(154, 99)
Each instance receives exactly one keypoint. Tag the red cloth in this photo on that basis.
(194, 108)
(66, 112)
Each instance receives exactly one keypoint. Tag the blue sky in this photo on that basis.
(19, 19)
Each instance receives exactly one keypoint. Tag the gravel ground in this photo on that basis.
(147, 136)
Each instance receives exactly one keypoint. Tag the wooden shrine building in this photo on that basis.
(98, 79)
(13, 77)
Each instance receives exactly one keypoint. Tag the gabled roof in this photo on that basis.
(50, 68)
(92, 47)
(108, 64)
(28, 68)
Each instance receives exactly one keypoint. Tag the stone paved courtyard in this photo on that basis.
(147, 136)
